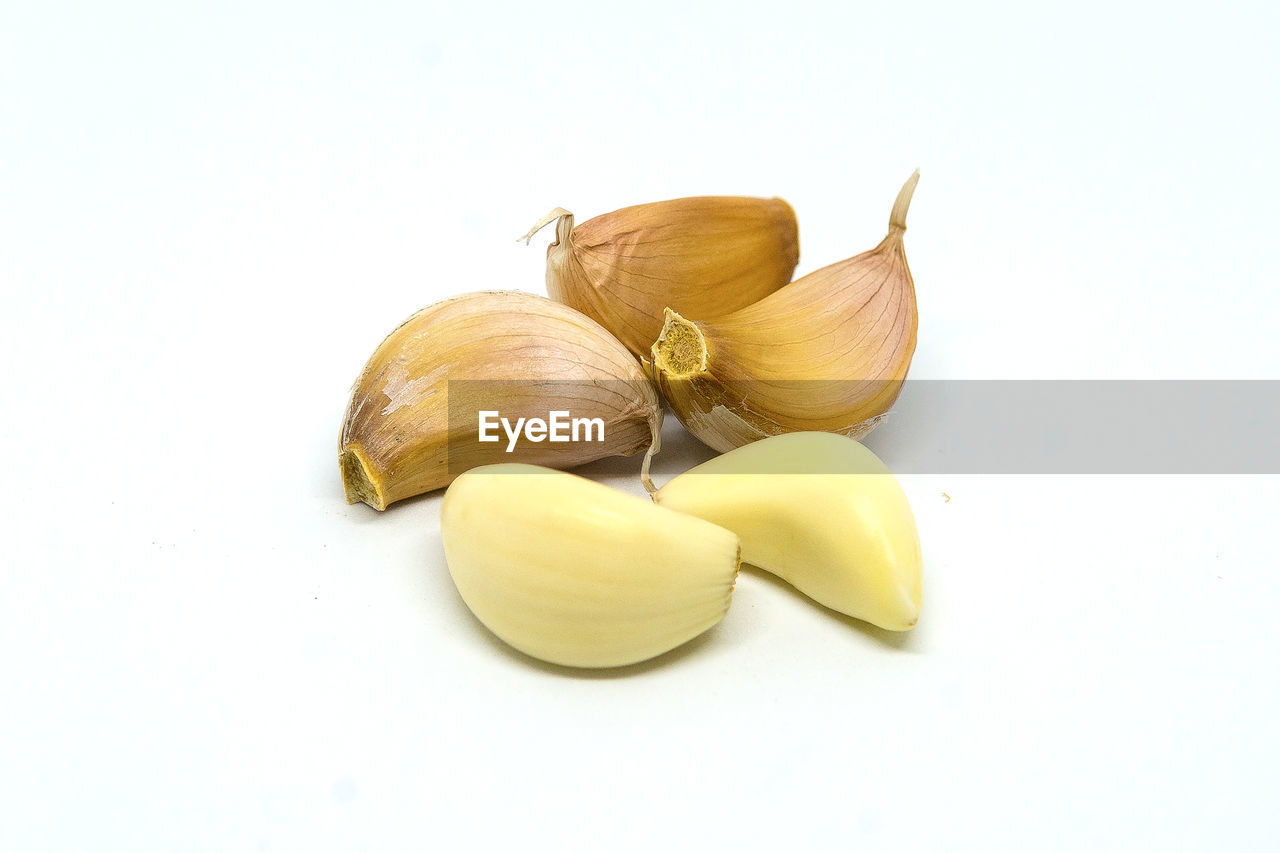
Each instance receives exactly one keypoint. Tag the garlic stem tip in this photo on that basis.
(898, 216)
(558, 213)
(655, 445)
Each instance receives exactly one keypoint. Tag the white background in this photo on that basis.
(211, 214)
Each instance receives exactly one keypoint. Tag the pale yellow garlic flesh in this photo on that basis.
(572, 572)
(828, 352)
(412, 423)
(705, 257)
(820, 511)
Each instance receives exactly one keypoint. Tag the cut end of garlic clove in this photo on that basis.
(681, 348)
(357, 481)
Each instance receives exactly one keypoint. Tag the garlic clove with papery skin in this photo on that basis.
(413, 422)
(706, 256)
(828, 352)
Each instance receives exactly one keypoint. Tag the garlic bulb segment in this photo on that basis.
(471, 367)
(704, 256)
(819, 511)
(572, 572)
(827, 352)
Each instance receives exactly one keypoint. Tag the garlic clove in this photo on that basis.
(572, 572)
(820, 511)
(412, 423)
(705, 256)
(828, 352)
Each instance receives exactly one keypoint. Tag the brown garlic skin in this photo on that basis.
(705, 256)
(828, 353)
(525, 356)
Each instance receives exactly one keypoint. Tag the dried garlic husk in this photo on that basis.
(820, 511)
(412, 424)
(704, 256)
(576, 573)
(828, 352)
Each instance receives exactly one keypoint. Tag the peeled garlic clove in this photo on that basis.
(572, 572)
(819, 511)
(514, 353)
(704, 256)
(828, 352)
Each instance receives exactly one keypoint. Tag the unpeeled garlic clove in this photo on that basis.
(572, 572)
(819, 511)
(412, 423)
(704, 256)
(828, 352)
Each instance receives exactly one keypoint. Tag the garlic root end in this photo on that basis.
(681, 348)
(357, 481)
